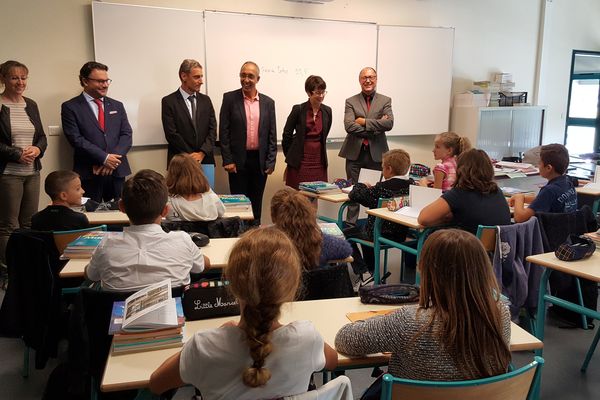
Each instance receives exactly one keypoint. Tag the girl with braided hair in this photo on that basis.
(257, 358)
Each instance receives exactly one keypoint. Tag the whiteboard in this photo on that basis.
(415, 70)
(143, 48)
(288, 50)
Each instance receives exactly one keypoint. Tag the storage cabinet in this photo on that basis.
(500, 131)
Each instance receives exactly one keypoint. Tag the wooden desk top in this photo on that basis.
(120, 218)
(588, 268)
(395, 217)
(132, 371)
(336, 197)
(217, 252)
(592, 191)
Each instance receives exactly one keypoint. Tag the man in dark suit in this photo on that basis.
(98, 129)
(367, 116)
(248, 138)
(188, 117)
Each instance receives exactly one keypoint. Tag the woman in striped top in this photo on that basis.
(22, 144)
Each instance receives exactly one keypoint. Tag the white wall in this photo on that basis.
(570, 25)
(54, 38)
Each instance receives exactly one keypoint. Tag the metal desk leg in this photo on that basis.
(540, 318)
(377, 251)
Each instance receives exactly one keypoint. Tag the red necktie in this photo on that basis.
(100, 113)
(365, 142)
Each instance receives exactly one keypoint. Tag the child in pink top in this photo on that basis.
(446, 147)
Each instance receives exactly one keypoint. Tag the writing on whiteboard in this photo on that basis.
(284, 70)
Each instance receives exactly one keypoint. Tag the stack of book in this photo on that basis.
(236, 202)
(147, 320)
(84, 245)
(318, 187)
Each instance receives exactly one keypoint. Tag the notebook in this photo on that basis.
(419, 198)
(370, 176)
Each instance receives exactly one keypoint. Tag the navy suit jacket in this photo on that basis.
(179, 130)
(91, 145)
(232, 130)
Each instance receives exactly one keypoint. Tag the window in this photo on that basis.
(582, 131)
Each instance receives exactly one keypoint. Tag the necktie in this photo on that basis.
(100, 113)
(365, 142)
(192, 99)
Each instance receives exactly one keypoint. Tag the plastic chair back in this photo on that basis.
(520, 384)
(487, 236)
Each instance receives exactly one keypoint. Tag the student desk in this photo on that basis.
(588, 269)
(336, 197)
(217, 251)
(381, 214)
(116, 217)
(593, 192)
(132, 371)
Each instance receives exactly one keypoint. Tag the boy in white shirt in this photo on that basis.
(145, 254)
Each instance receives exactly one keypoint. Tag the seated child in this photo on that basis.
(145, 254)
(459, 330)
(395, 164)
(190, 195)
(446, 147)
(474, 200)
(293, 214)
(257, 358)
(64, 188)
(558, 196)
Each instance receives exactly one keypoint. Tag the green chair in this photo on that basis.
(382, 202)
(520, 384)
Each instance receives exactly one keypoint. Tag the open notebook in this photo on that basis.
(419, 198)
(370, 176)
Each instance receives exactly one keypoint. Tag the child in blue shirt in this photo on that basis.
(558, 196)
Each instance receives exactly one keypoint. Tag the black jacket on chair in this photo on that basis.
(555, 229)
(31, 306)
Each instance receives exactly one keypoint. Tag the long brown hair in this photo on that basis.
(474, 171)
(458, 285)
(451, 140)
(293, 214)
(264, 272)
(185, 176)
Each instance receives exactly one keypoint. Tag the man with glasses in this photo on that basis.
(367, 116)
(98, 129)
(248, 138)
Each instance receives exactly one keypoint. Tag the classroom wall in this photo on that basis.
(54, 38)
(570, 25)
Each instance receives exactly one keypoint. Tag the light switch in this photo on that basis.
(54, 131)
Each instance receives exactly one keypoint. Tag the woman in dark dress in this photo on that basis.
(304, 136)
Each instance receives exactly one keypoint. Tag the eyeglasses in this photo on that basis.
(101, 81)
(249, 76)
(368, 78)
(323, 93)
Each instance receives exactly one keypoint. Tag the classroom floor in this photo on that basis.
(561, 379)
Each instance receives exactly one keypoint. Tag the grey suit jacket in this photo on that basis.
(373, 131)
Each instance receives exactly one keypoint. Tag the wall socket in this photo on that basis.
(54, 130)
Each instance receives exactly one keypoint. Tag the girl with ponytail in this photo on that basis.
(257, 357)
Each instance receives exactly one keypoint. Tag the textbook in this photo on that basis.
(116, 322)
(84, 246)
(147, 320)
(151, 308)
(236, 202)
(318, 187)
